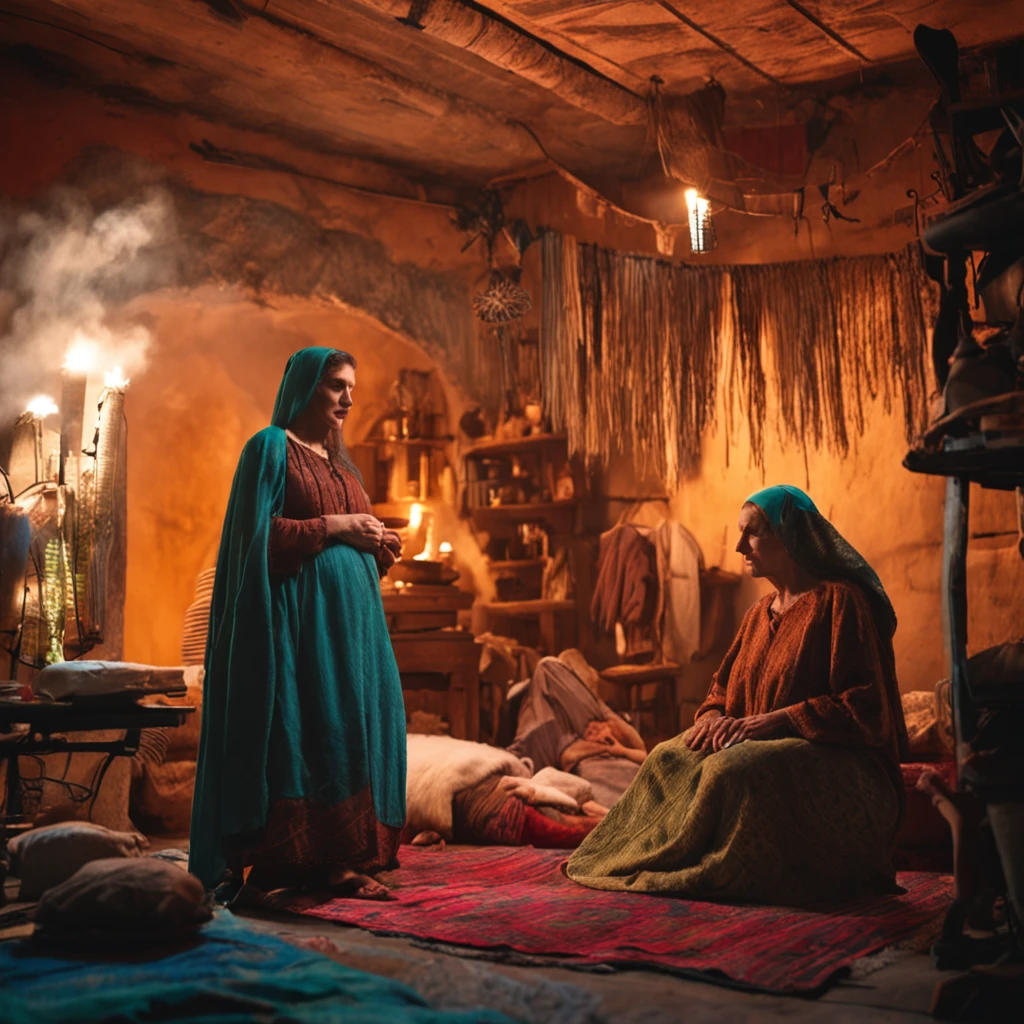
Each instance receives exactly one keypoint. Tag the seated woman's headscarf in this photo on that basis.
(818, 547)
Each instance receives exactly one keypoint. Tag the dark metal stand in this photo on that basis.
(963, 462)
(47, 722)
(954, 620)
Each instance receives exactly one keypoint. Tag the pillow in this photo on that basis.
(572, 785)
(68, 680)
(47, 856)
(123, 903)
(165, 798)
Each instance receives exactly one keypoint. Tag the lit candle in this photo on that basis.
(80, 358)
(39, 408)
(702, 234)
(108, 488)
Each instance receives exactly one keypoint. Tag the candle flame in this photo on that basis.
(415, 516)
(699, 213)
(81, 356)
(427, 554)
(41, 406)
(445, 548)
(115, 378)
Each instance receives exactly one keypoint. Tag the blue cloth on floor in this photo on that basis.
(231, 975)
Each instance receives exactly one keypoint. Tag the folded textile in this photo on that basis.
(571, 785)
(68, 680)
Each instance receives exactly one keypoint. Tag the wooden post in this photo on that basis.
(954, 619)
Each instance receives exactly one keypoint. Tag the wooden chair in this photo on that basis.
(630, 680)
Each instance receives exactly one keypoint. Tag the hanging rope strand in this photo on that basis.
(632, 347)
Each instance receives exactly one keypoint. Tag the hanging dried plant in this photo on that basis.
(631, 349)
(502, 301)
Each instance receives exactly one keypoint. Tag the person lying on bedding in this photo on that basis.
(563, 725)
(787, 789)
(468, 792)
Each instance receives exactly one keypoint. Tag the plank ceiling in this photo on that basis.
(347, 77)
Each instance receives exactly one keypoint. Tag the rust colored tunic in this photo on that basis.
(304, 839)
(824, 663)
(315, 487)
(790, 822)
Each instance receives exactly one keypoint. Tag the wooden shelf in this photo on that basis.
(412, 442)
(513, 446)
(1000, 468)
(528, 608)
(518, 563)
(983, 114)
(532, 510)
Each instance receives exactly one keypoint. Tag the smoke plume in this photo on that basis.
(65, 270)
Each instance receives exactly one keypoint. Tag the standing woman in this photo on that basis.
(301, 772)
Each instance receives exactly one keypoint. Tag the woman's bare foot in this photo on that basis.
(346, 882)
(427, 839)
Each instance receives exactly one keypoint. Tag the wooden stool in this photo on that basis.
(629, 679)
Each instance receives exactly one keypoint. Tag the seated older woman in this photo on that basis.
(787, 789)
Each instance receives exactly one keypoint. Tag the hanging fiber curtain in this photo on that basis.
(631, 347)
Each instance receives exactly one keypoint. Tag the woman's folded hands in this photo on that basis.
(714, 731)
(360, 530)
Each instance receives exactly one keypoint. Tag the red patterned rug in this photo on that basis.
(517, 899)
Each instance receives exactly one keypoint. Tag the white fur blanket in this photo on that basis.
(441, 766)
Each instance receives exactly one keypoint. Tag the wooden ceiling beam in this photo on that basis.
(504, 44)
(829, 31)
(720, 43)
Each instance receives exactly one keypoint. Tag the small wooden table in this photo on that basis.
(48, 721)
(446, 659)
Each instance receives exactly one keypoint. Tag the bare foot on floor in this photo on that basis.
(427, 839)
(346, 882)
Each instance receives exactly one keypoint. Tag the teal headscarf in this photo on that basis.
(816, 545)
(231, 792)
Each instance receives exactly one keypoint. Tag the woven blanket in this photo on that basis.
(517, 901)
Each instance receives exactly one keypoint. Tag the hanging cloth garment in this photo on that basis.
(302, 704)
(626, 591)
(680, 563)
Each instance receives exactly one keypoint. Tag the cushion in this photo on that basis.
(924, 828)
(71, 680)
(165, 799)
(123, 903)
(929, 719)
(47, 856)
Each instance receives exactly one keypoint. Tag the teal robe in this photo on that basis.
(302, 698)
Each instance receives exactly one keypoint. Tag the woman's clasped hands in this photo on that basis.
(714, 731)
(361, 531)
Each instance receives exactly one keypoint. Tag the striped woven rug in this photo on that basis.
(516, 901)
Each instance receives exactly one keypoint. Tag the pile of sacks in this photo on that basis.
(97, 888)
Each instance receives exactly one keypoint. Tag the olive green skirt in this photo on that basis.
(784, 822)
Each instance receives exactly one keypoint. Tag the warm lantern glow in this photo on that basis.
(81, 356)
(428, 552)
(415, 516)
(115, 378)
(42, 406)
(702, 230)
(445, 548)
